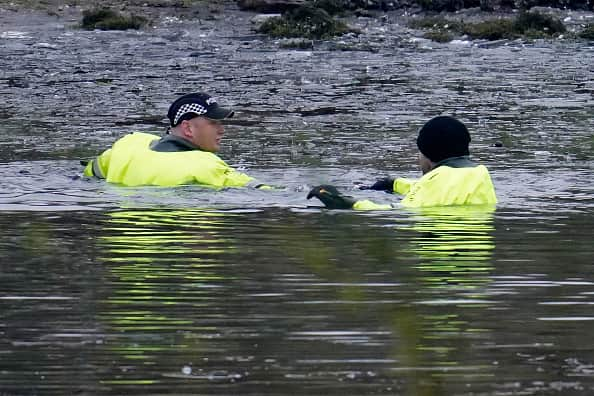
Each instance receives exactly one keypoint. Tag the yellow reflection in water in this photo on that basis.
(454, 245)
(147, 232)
(163, 265)
(440, 264)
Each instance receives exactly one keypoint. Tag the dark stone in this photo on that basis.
(588, 32)
(4, 114)
(319, 111)
(18, 83)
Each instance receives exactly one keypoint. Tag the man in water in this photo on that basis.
(449, 176)
(184, 156)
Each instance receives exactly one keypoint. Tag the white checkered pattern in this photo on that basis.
(189, 108)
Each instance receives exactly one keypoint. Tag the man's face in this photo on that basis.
(425, 163)
(206, 133)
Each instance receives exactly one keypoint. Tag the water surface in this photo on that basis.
(151, 291)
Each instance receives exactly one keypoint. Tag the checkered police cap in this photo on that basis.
(194, 105)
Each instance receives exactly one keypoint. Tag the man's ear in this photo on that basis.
(185, 129)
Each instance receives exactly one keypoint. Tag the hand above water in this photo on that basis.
(385, 184)
(331, 197)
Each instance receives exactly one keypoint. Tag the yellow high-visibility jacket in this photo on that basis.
(131, 161)
(454, 181)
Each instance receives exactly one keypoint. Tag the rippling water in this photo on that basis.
(110, 290)
(280, 301)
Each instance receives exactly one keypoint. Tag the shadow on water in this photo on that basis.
(109, 290)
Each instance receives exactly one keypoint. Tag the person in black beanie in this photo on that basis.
(449, 176)
(441, 138)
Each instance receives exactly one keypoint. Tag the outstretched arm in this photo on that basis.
(98, 166)
(391, 185)
(333, 199)
(384, 184)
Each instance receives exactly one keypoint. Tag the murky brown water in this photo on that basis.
(148, 291)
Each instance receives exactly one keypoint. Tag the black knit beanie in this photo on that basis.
(443, 137)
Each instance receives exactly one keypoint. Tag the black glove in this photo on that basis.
(331, 197)
(385, 184)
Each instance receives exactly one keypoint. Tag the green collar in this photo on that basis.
(172, 143)
(457, 162)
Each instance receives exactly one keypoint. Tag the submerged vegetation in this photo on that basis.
(108, 19)
(526, 24)
(306, 21)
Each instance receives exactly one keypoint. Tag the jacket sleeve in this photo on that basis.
(366, 204)
(98, 166)
(402, 186)
(234, 178)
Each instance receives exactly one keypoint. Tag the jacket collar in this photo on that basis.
(457, 162)
(172, 143)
